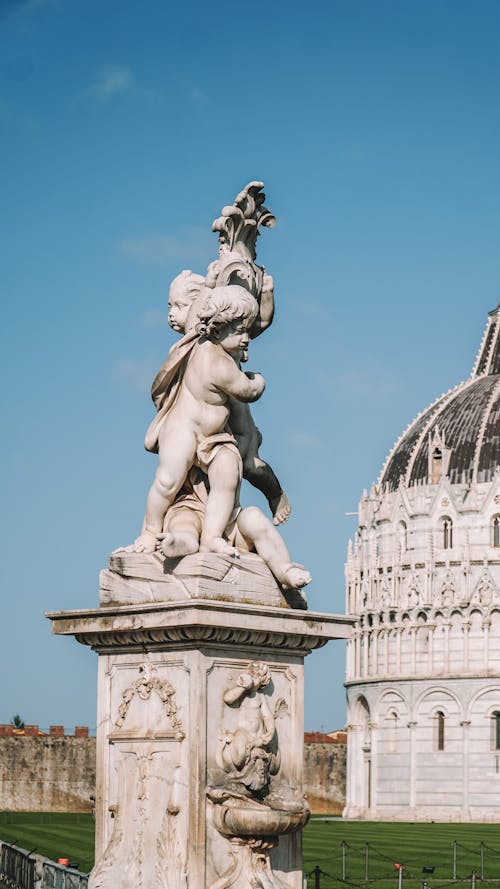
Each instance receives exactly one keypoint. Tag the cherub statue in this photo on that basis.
(192, 393)
(249, 530)
(186, 295)
(249, 755)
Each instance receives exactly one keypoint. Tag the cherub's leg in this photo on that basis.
(271, 547)
(182, 537)
(255, 470)
(224, 476)
(177, 448)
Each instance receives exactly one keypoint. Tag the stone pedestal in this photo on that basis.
(173, 713)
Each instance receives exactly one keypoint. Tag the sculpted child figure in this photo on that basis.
(248, 530)
(187, 292)
(191, 425)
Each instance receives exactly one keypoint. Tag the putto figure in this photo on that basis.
(203, 431)
(191, 425)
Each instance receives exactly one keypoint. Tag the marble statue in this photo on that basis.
(202, 625)
(250, 806)
(203, 432)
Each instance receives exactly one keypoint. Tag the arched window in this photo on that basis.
(392, 717)
(437, 465)
(495, 730)
(440, 730)
(495, 531)
(447, 529)
(403, 536)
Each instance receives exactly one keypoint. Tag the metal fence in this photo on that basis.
(56, 877)
(20, 869)
(17, 869)
(369, 867)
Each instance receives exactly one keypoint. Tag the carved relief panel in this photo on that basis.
(144, 777)
(254, 769)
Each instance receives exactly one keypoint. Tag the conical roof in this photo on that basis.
(461, 429)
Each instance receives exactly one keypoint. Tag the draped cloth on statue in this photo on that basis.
(164, 392)
(166, 385)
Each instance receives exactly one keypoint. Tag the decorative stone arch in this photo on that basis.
(402, 535)
(473, 609)
(495, 531)
(422, 647)
(359, 752)
(475, 640)
(405, 654)
(485, 701)
(492, 618)
(438, 743)
(445, 527)
(456, 641)
(484, 748)
(392, 714)
(439, 641)
(360, 714)
(448, 699)
(390, 699)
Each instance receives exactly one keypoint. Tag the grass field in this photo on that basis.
(51, 834)
(414, 845)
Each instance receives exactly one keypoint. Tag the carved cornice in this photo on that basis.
(189, 624)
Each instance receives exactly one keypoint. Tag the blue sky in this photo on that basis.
(124, 128)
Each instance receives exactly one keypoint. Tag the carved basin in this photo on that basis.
(239, 821)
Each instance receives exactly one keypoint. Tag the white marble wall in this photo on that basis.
(426, 640)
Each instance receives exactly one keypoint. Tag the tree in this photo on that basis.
(17, 722)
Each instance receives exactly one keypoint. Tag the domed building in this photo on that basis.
(423, 582)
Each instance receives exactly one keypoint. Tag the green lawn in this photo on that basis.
(53, 835)
(414, 845)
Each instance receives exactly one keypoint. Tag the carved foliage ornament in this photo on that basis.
(143, 687)
(238, 225)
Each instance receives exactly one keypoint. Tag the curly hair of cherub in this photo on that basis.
(187, 284)
(224, 305)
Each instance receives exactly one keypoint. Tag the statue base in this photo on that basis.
(169, 813)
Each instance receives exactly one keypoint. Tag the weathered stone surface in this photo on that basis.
(134, 578)
(66, 775)
(47, 774)
(165, 672)
(325, 777)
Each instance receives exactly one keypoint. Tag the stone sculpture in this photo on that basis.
(203, 431)
(251, 808)
(202, 627)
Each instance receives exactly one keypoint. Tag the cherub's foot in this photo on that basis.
(218, 545)
(280, 508)
(145, 543)
(294, 576)
(176, 545)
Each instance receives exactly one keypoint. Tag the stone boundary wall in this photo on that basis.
(55, 772)
(46, 773)
(325, 772)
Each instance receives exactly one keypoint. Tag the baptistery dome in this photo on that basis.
(458, 435)
(423, 584)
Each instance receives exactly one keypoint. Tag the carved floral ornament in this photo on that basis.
(239, 223)
(147, 683)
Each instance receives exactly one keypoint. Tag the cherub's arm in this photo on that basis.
(232, 381)
(244, 683)
(266, 308)
(269, 723)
